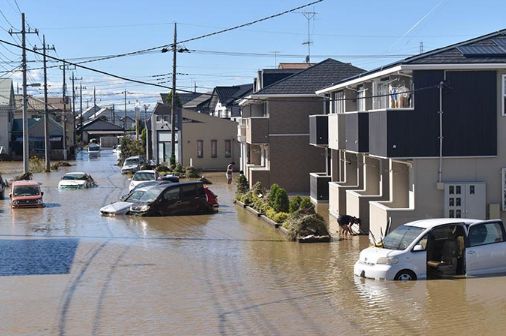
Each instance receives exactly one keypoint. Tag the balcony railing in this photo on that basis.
(257, 130)
(319, 130)
(319, 186)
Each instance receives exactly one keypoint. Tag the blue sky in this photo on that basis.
(364, 33)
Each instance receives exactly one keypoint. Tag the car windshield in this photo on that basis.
(143, 176)
(401, 237)
(151, 194)
(135, 196)
(26, 190)
(93, 148)
(74, 177)
(129, 162)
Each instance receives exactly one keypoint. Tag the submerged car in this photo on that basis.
(132, 164)
(26, 194)
(93, 150)
(142, 176)
(122, 207)
(184, 198)
(437, 248)
(76, 180)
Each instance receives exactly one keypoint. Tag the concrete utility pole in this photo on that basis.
(64, 115)
(173, 102)
(26, 147)
(73, 78)
(125, 113)
(47, 142)
(146, 106)
(81, 103)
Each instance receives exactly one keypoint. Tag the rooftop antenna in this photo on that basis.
(309, 16)
(421, 47)
(275, 58)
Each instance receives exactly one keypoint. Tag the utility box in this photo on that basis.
(465, 200)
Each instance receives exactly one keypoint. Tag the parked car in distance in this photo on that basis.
(437, 248)
(76, 180)
(26, 194)
(123, 206)
(172, 199)
(116, 149)
(93, 150)
(170, 178)
(142, 176)
(132, 164)
(3, 186)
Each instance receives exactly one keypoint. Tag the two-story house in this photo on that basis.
(274, 131)
(422, 137)
(7, 109)
(224, 101)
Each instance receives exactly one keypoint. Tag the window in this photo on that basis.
(214, 148)
(504, 189)
(228, 148)
(171, 194)
(380, 94)
(200, 148)
(338, 102)
(188, 191)
(504, 95)
(486, 233)
(361, 98)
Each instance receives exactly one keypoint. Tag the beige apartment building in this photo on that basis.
(273, 130)
(424, 137)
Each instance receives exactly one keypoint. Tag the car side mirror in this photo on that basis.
(418, 248)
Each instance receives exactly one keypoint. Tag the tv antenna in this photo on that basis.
(309, 17)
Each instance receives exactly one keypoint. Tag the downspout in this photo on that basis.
(440, 170)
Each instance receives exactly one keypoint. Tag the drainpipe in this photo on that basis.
(440, 171)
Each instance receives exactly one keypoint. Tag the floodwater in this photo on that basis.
(65, 270)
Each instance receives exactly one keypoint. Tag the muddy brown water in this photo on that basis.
(221, 274)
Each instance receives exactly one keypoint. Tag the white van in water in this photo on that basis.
(436, 248)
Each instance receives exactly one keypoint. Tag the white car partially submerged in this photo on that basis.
(142, 176)
(76, 180)
(437, 248)
(123, 206)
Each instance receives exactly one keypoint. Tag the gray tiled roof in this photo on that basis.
(228, 94)
(100, 125)
(320, 75)
(183, 97)
(203, 98)
(449, 55)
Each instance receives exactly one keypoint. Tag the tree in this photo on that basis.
(169, 100)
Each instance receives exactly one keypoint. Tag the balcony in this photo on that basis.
(319, 130)
(319, 186)
(258, 174)
(241, 131)
(379, 215)
(257, 130)
(336, 139)
(356, 126)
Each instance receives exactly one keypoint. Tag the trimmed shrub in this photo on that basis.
(279, 217)
(162, 169)
(192, 172)
(242, 184)
(273, 194)
(306, 205)
(178, 169)
(295, 203)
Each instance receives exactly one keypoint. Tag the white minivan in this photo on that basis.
(437, 248)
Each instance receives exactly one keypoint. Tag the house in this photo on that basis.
(35, 107)
(7, 109)
(419, 138)
(208, 143)
(225, 99)
(36, 137)
(97, 128)
(199, 104)
(182, 97)
(274, 131)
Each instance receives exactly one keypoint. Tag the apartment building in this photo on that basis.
(274, 131)
(423, 137)
(7, 109)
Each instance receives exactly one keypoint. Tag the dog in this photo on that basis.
(345, 222)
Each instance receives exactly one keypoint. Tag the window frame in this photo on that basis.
(501, 227)
(200, 143)
(214, 149)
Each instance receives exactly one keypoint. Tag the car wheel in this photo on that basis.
(405, 275)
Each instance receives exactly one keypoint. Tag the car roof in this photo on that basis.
(76, 173)
(25, 183)
(145, 171)
(433, 222)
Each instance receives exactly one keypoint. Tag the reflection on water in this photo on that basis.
(226, 273)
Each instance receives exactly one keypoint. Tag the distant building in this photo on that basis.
(224, 101)
(7, 109)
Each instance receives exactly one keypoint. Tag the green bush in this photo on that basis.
(306, 205)
(273, 194)
(258, 189)
(178, 169)
(279, 217)
(242, 184)
(130, 147)
(162, 168)
(192, 172)
(302, 225)
(295, 203)
(36, 165)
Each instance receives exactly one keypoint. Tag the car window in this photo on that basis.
(143, 176)
(26, 191)
(401, 237)
(486, 233)
(188, 191)
(171, 194)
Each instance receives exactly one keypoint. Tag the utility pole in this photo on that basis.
(47, 141)
(146, 106)
(113, 115)
(73, 78)
(94, 96)
(124, 115)
(26, 147)
(173, 102)
(81, 103)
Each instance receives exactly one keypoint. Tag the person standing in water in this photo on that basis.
(230, 170)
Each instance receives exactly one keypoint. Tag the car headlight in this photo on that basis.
(387, 260)
(15, 202)
(145, 207)
(39, 201)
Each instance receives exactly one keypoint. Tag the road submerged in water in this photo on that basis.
(66, 270)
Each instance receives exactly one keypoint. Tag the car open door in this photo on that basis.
(486, 248)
